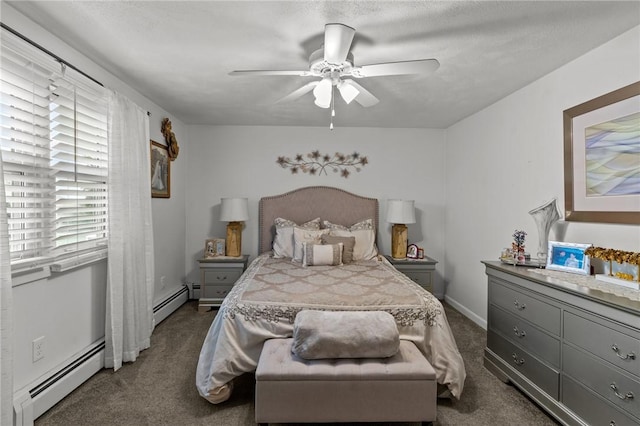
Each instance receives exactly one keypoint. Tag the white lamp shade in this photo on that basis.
(401, 211)
(347, 91)
(322, 92)
(234, 210)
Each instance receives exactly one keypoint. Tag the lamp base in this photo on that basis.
(234, 239)
(399, 241)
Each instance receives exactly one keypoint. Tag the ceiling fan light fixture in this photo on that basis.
(347, 91)
(322, 92)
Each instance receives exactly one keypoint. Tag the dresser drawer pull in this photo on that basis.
(612, 423)
(628, 395)
(519, 333)
(519, 306)
(221, 279)
(630, 355)
(516, 360)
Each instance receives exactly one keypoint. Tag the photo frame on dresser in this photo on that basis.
(568, 257)
(214, 247)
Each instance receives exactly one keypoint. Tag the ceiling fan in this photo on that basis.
(333, 63)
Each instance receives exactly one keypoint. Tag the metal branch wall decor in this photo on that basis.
(315, 163)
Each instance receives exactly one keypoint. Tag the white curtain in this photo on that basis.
(130, 281)
(6, 315)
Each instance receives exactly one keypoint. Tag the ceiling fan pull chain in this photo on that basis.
(333, 109)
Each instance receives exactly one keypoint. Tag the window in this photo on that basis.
(54, 151)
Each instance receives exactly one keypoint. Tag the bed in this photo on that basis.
(264, 302)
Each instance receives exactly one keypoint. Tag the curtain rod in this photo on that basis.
(48, 52)
(53, 55)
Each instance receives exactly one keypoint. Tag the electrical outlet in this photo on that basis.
(163, 281)
(38, 348)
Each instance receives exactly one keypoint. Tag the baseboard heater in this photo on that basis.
(46, 393)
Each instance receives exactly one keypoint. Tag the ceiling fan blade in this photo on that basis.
(269, 72)
(337, 42)
(423, 66)
(299, 92)
(364, 98)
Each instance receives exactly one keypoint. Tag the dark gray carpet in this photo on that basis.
(159, 388)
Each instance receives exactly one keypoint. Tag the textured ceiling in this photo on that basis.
(179, 54)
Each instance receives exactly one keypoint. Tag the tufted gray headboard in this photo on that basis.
(304, 204)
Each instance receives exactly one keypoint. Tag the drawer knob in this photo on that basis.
(222, 279)
(628, 395)
(612, 423)
(516, 360)
(630, 355)
(519, 333)
(519, 306)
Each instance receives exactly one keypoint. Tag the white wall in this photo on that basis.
(235, 161)
(68, 309)
(507, 159)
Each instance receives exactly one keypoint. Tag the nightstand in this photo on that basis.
(419, 270)
(217, 277)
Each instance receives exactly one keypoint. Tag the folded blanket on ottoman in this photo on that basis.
(344, 334)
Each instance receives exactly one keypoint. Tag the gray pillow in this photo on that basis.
(347, 246)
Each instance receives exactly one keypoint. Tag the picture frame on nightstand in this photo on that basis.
(412, 251)
(214, 247)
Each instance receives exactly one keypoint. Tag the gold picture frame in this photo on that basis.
(160, 171)
(593, 134)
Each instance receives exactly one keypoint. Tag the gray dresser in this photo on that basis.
(573, 349)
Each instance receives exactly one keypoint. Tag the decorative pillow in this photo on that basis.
(347, 249)
(364, 233)
(304, 235)
(283, 242)
(344, 334)
(321, 254)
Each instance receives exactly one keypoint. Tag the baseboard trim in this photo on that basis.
(170, 303)
(466, 312)
(53, 387)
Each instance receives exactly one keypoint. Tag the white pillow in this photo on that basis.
(304, 235)
(321, 254)
(283, 242)
(365, 234)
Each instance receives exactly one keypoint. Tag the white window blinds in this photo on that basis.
(54, 151)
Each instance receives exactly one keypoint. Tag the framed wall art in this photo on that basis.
(160, 171)
(602, 158)
(568, 257)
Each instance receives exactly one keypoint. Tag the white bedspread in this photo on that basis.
(264, 303)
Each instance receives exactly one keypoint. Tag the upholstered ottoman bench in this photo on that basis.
(289, 389)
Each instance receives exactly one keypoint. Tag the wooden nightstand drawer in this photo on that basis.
(221, 276)
(528, 365)
(619, 389)
(420, 277)
(522, 333)
(215, 291)
(533, 310)
(593, 409)
(620, 349)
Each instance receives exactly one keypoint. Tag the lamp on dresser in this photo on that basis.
(400, 213)
(234, 211)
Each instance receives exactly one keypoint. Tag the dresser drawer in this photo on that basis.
(215, 291)
(422, 278)
(591, 408)
(619, 389)
(221, 275)
(618, 348)
(524, 334)
(542, 375)
(533, 310)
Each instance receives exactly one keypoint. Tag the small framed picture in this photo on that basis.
(568, 257)
(412, 251)
(160, 171)
(213, 247)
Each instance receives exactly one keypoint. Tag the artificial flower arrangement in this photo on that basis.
(516, 253)
(623, 265)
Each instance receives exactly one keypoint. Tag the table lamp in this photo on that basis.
(234, 211)
(400, 212)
